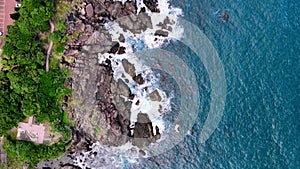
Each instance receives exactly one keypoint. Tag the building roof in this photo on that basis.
(31, 132)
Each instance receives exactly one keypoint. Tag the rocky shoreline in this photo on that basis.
(100, 106)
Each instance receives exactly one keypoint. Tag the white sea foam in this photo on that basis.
(131, 44)
(152, 108)
(102, 157)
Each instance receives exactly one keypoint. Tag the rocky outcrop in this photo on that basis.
(161, 33)
(143, 131)
(138, 79)
(151, 5)
(136, 23)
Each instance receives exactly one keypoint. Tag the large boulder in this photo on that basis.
(128, 67)
(143, 131)
(139, 79)
(154, 96)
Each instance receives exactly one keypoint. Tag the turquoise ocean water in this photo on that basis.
(260, 50)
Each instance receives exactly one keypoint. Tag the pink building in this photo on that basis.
(31, 132)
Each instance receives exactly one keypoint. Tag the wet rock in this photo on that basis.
(128, 67)
(151, 5)
(225, 16)
(127, 23)
(139, 79)
(168, 21)
(114, 48)
(143, 133)
(137, 102)
(157, 135)
(154, 96)
(161, 33)
(121, 38)
(121, 50)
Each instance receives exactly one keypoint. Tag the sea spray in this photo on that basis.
(136, 42)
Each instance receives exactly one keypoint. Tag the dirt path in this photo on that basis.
(50, 47)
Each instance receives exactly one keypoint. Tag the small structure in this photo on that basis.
(31, 132)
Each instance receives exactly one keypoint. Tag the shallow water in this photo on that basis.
(259, 48)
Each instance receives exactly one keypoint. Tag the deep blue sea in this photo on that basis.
(259, 47)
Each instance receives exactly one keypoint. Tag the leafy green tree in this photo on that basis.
(61, 26)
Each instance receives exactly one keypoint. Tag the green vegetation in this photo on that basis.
(26, 151)
(26, 89)
(97, 128)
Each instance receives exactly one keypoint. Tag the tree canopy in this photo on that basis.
(26, 89)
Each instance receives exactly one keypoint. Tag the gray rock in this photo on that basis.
(99, 42)
(143, 131)
(128, 67)
(154, 96)
(146, 20)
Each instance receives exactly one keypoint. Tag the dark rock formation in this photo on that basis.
(115, 48)
(152, 5)
(225, 16)
(161, 33)
(143, 131)
(121, 38)
(138, 79)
